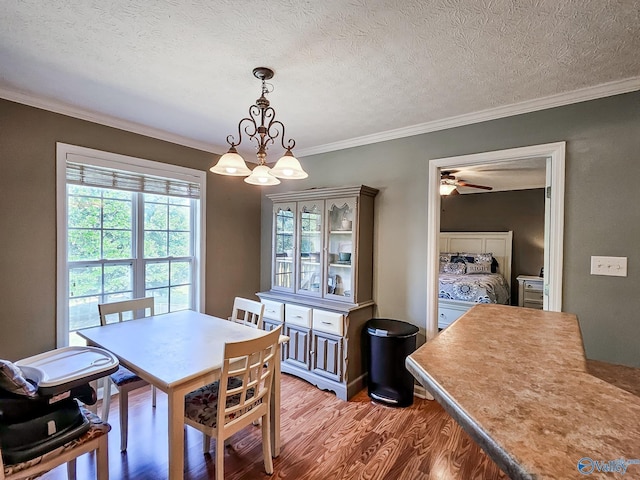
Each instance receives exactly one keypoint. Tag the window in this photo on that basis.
(125, 232)
(167, 252)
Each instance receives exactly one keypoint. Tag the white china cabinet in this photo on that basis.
(322, 282)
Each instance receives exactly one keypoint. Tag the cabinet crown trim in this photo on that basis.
(328, 192)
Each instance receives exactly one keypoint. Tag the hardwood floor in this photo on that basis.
(323, 438)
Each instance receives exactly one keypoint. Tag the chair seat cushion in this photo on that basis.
(201, 406)
(97, 429)
(124, 376)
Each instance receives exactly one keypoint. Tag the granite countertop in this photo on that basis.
(517, 381)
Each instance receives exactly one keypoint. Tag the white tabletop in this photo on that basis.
(171, 348)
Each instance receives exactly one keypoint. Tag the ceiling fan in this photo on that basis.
(449, 183)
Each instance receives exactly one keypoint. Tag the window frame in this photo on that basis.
(131, 164)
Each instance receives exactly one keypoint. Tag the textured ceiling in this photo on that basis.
(344, 69)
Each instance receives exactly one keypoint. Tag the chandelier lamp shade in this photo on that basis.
(262, 127)
(231, 163)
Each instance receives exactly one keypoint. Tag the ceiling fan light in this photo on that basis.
(231, 163)
(446, 188)
(261, 175)
(288, 167)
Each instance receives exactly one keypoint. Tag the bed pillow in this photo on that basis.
(478, 257)
(11, 379)
(456, 268)
(445, 257)
(476, 262)
(462, 258)
(478, 268)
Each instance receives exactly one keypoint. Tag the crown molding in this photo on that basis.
(558, 100)
(107, 120)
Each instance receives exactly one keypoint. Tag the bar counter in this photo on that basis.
(517, 381)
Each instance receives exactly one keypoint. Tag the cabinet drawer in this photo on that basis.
(532, 285)
(297, 315)
(329, 322)
(273, 310)
(446, 316)
(533, 304)
(533, 296)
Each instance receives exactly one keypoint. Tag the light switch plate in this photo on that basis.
(611, 266)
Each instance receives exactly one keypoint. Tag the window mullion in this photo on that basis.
(101, 294)
(138, 226)
(169, 279)
(195, 285)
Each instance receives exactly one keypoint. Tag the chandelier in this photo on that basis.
(262, 127)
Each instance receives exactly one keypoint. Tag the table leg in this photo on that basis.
(176, 434)
(275, 408)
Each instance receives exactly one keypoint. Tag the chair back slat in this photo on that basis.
(252, 362)
(125, 306)
(247, 312)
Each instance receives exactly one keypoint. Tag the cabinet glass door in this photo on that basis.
(341, 255)
(310, 249)
(283, 246)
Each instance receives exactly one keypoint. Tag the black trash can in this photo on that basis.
(389, 343)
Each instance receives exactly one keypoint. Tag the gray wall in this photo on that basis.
(601, 213)
(521, 211)
(28, 139)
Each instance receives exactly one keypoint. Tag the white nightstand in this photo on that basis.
(530, 291)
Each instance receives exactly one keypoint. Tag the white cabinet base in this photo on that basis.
(343, 391)
(450, 310)
(325, 340)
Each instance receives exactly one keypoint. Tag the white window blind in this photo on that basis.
(96, 176)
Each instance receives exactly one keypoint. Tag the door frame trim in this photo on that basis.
(553, 277)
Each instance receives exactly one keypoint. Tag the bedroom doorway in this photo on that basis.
(554, 153)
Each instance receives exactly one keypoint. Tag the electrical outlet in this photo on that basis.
(612, 266)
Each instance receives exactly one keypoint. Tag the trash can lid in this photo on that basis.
(386, 327)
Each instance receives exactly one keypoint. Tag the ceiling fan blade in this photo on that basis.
(471, 185)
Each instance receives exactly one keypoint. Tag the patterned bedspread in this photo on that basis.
(476, 288)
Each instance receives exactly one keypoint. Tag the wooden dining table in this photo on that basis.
(178, 353)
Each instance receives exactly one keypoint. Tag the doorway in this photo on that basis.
(554, 218)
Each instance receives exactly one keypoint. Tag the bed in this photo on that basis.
(458, 290)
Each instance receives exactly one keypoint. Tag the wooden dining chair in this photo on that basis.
(124, 380)
(94, 440)
(245, 396)
(247, 312)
